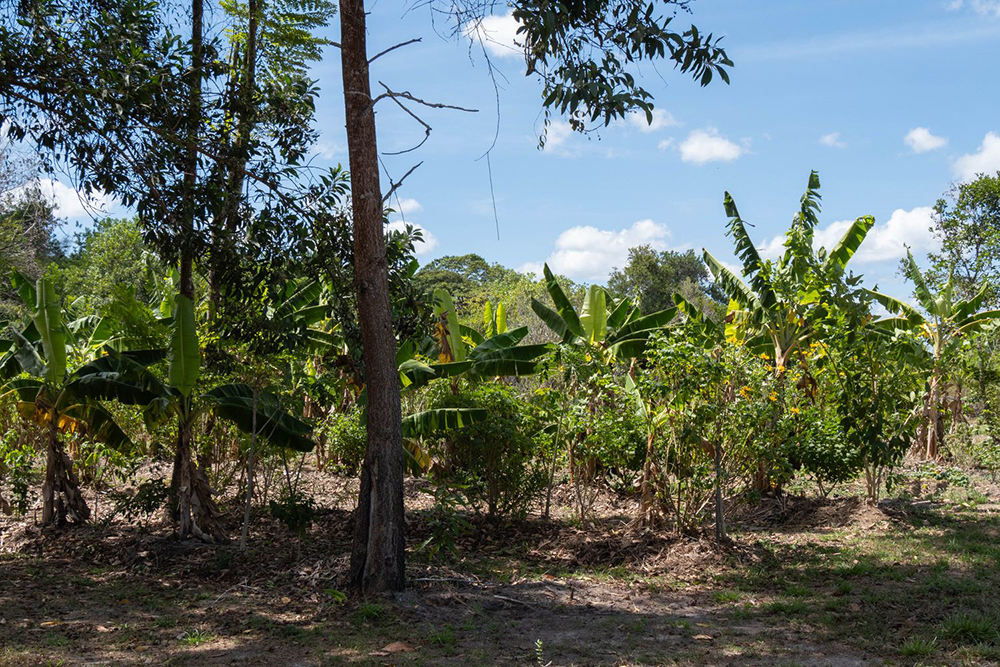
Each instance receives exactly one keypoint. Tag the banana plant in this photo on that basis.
(465, 352)
(770, 312)
(944, 322)
(612, 330)
(494, 320)
(119, 377)
(47, 398)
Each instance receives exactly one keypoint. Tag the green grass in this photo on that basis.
(726, 596)
(918, 648)
(444, 637)
(369, 612)
(196, 637)
(970, 628)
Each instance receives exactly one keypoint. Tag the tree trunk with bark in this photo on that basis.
(378, 555)
(61, 497)
(197, 513)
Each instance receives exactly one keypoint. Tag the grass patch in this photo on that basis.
(970, 628)
(196, 637)
(917, 647)
(369, 612)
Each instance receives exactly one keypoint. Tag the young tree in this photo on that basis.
(653, 276)
(946, 321)
(967, 222)
(582, 51)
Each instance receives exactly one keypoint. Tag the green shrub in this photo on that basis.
(294, 509)
(345, 436)
(823, 451)
(17, 460)
(494, 460)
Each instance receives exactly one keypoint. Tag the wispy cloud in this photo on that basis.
(911, 36)
(833, 140)
(661, 119)
(983, 7)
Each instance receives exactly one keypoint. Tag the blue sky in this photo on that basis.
(891, 101)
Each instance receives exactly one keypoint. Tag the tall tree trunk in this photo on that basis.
(196, 512)
(378, 555)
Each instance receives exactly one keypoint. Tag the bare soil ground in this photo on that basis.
(804, 582)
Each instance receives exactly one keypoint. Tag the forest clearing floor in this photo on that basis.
(805, 581)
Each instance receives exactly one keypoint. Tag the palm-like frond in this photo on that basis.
(920, 288)
(620, 313)
(643, 326)
(897, 307)
(850, 242)
(552, 320)
(435, 422)
(118, 377)
(732, 285)
(235, 402)
(808, 215)
(562, 303)
(594, 314)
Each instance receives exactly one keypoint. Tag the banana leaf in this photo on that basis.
(444, 310)
(594, 314)
(435, 422)
(500, 341)
(562, 303)
(235, 403)
(100, 425)
(552, 320)
(850, 241)
(185, 355)
(118, 377)
(48, 321)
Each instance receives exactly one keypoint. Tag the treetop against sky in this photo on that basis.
(890, 102)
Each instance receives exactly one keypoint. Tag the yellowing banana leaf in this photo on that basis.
(449, 331)
(594, 314)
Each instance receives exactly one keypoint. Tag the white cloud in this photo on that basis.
(920, 140)
(665, 144)
(408, 206)
(429, 243)
(884, 243)
(558, 132)
(833, 140)
(69, 203)
(661, 119)
(329, 150)
(588, 253)
(983, 7)
(532, 269)
(703, 146)
(498, 34)
(986, 160)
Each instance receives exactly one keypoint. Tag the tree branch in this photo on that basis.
(393, 48)
(396, 185)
